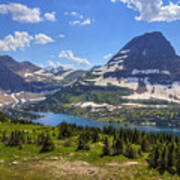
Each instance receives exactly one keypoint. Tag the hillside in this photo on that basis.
(36, 152)
(143, 75)
(24, 83)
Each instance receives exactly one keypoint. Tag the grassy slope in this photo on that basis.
(78, 93)
(62, 102)
(32, 165)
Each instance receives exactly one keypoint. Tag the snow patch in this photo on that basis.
(95, 106)
(127, 83)
(146, 71)
(149, 71)
(61, 77)
(144, 53)
(161, 92)
(125, 51)
(120, 58)
(38, 99)
(28, 74)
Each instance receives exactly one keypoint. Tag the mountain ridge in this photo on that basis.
(146, 76)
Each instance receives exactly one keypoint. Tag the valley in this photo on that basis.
(123, 116)
(89, 90)
(139, 85)
(27, 149)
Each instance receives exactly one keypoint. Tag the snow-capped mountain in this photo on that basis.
(148, 65)
(53, 69)
(23, 82)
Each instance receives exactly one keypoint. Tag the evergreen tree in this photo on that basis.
(119, 147)
(64, 131)
(131, 152)
(82, 143)
(172, 159)
(95, 136)
(145, 145)
(106, 147)
(40, 139)
(171, 156)
(178, 163)
(48, 145)
(16, 138)
(164, 159)
(4, 136)
(154, 157)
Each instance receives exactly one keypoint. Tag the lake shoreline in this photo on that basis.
(53, 119)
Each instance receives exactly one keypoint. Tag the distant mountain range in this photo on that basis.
(32, 82)
(144, 73)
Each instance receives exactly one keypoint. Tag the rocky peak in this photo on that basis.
(148, 51)
(151, 44)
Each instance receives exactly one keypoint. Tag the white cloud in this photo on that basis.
(108, 56)
(113, 1)
(66, 66)
(74, 14)
(61, 36)
(78, 19)
(42, 39)
(75, 22)
(69, 55)
(21, 13)
(52, 64)
(50, 16)
(58, 64)
(153, 10)
(19, 40)
(87, 21)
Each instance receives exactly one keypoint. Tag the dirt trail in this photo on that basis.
(126, 164)
(62, 168)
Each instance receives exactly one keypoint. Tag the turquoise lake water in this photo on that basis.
(53, 119)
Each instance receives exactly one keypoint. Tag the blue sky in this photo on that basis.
(81, 33)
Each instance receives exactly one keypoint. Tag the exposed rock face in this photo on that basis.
(147, 64)
(24, 82)
(9, 80)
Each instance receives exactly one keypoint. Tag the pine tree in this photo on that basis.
(95, 136)
(145, 145)
(131, 152)
(178, 163)
(106, 147)
(172, 159)
(48, 145)
(164, 159)
(154, 157)
(171, 156)
(16, 138)
(119, 147)
(4, 136)
(82, 143)
(64, 131)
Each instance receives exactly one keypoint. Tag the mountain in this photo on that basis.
(148, 65)
(53, 69)
(95, 67)
(10, 80)
(144, 73)
(23, 82)
(18, 67)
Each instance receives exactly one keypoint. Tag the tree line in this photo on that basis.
(163, 150)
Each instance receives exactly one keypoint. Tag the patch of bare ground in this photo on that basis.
(61, 168)
(126, 164)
